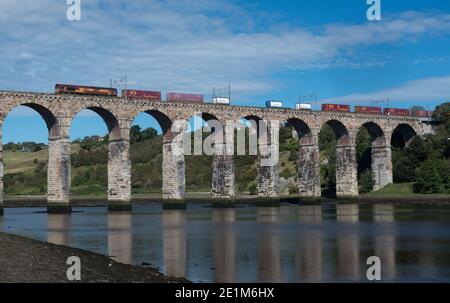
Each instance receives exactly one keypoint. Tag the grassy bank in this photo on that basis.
(401, 190)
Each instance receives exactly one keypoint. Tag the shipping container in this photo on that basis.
(368, 110)
(179, 97)
(396, 112)
(221, 100)
(335, 108)
(85, 90)
(274, 104)
(420, 113)
(141, 94)
(304, 106)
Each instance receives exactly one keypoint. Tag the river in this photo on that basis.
(291, 243)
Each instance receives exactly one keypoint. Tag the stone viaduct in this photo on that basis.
(118, 114)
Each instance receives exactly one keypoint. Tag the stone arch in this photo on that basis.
(340, 131)
(376, 133)
(402, 135)
(302, 129)
(111, 121)
(346, 164)
(308, 162)
(47, 115)
(119, 164)
(163, 120)
(58, 168)
(156, 178)
(267, 133)
(220, 144)
(380, 155)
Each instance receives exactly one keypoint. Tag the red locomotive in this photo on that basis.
(178, 97)
(335, 108)
(141, 94)
(85, 90)
(396, 112)
(368, 110)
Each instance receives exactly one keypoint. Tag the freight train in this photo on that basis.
(196, 98)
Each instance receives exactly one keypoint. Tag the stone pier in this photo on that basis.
(381, 166)
(173, 171)
(119, 175)
(223, 174)
(268, 179)
(346, 171)
(309, 168)
(58, 173)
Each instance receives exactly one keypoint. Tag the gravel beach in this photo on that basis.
(29, 261)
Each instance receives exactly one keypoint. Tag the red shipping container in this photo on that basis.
(368, 110)
(420, 113)
(335, 108)
(396, 111)
(141, 94)
(178, 97)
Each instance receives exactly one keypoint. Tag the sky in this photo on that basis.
(264, 49)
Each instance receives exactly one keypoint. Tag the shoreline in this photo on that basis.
(25, 260)
(94, 201)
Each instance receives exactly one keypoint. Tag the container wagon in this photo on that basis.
(335, 108)
(368, 110)
(274, 104)
(396, 112)
(303, 106)
(141, 94)
(221, 100)
(179, 97)
(421, 113)
(85, 90)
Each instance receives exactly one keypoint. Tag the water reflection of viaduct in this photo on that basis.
(316, 255)
(58, 112)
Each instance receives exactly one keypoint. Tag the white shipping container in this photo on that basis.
(221, 100)
(305, 106)
(274, 104)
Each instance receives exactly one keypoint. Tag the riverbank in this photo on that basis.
(100, 201)
(24, 260)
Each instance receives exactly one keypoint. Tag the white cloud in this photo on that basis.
(182, 45)
(423, 91)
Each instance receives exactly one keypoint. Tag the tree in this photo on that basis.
(432, 176)
(135, 134)
(365, 182)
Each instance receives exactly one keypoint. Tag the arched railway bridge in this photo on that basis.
(59, 110)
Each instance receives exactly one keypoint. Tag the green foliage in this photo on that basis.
(363, 151)
(286, 173)
(433, 176)
(365, 182)
(92, 142)
(327, 139)
(34, 183)
(30, 147)
(252, 187)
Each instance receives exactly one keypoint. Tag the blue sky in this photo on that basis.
(264, 49)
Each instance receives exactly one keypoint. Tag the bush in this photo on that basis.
(365, 182)
(252, 188)
(433, 177)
